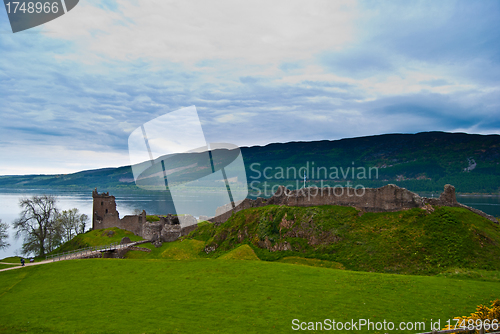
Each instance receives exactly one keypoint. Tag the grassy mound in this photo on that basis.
(178, 250)
(244, 252)
(205, 296)
(183, 250)
(96, 238)
(414, 241)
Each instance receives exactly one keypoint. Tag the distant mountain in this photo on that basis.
(419, 162)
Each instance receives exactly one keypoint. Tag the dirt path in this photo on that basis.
(17, 266)
(74, 256)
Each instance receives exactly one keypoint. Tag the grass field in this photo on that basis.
(215, 296)
(243, 287)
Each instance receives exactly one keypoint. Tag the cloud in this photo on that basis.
(191, 32)
(258, 72)
(358, 63)
(435, 82)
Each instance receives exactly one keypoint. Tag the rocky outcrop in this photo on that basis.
(125, 240)
(384, 199)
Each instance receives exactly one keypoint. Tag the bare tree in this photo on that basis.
(3, 235)
(72, 223)
(81, 223)
(37, 224)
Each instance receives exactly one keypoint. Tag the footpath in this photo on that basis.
(89, 252)
(27, 264)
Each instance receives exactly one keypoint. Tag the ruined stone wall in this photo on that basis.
(151, 230)
(188, 229)
(388, 198)
(245, 204)
(170, 233)
(109, 220)
(167, 229)
(384, 199)
(133, 224)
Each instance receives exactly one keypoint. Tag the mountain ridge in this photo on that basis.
(424, 161)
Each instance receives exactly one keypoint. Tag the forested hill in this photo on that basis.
(419, 162)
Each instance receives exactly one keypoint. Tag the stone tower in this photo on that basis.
(104, 207)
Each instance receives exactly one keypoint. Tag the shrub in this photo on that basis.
(487, 316)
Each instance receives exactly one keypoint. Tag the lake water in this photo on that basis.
(154, 203)
(126, 204)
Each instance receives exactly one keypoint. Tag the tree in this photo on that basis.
(37, 225)
(71, 223)
(3, 235)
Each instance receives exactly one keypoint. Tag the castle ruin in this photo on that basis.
(168, 228)
(384, 199)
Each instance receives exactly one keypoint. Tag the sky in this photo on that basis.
(74, 89)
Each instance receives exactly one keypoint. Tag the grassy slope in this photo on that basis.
(96, 238)
(12, 259)
(412, 241)
(189, 249)
(162, 296)
(243, 252)
(179, 250)
(311, 262)
(5, 266)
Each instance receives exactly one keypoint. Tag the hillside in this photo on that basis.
(412, 242)
(419, 162)
(416, 241)
(96, 238)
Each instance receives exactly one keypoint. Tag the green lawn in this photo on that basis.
(217, 296)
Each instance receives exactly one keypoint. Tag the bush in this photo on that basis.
(483, 315)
